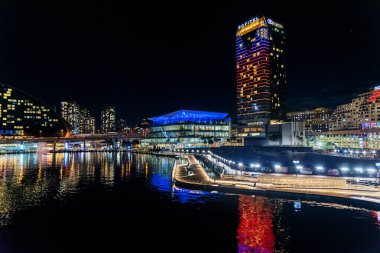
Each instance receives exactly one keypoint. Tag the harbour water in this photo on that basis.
(123, 202)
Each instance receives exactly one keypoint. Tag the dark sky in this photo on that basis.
(149, 59)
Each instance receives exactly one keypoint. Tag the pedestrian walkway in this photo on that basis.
(193, 175)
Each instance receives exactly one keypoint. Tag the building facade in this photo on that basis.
(286, 134)
(86, 122)
(260, 74)
(353, 125)
(362, 113)
(78, 117)
(108, 117)
(70, 113)
(121, 126)
(23, 115)
(356, 139)
(316, 120)
(186, 128)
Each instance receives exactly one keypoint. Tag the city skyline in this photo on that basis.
(142, 60)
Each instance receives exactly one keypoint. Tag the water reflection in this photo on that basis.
(265, 224)
(255, 232)
(28, 180)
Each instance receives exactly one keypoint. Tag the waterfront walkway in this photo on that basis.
(193, 175)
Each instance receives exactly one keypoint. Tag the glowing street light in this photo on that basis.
(371, 170)
(344, 169)
(319, 167)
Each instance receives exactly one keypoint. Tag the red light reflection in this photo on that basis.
(255, 232)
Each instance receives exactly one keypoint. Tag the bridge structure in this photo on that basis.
(80, 142)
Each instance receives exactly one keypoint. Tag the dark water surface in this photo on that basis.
(120, 202)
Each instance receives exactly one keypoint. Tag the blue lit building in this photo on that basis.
(187, 128)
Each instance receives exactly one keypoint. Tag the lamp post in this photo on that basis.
(240, 165)
(378, 171)
(295, 162)
(40, 133)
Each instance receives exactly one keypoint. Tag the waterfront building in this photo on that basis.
(187, 128)
(357, 139)
(316, 120)
(108, 118)
(260, 75)
(23, 115)
(363, 112)
(70, 113)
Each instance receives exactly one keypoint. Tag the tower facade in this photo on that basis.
(108, 119)
(260, 74)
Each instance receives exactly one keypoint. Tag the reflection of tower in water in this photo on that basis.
(255, 232)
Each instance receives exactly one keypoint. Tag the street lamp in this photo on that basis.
(298, 167)
(378, 169)
(319, 167)
(240, 165)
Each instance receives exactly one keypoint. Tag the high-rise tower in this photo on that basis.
(260, 74)
(108, 118)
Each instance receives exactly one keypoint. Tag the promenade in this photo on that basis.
(193, 175)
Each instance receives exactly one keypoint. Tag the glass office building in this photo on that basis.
(186, 128)
(260, 73)
(23, 115)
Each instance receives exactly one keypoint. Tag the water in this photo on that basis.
(126, 203)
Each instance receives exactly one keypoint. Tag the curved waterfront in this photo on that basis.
(112, 202)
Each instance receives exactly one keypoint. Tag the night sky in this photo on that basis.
(150, 59)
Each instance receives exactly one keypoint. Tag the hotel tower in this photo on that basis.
(260, 74)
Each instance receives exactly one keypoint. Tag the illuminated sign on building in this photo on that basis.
(271, 22)
(248, 22)
(375, 94)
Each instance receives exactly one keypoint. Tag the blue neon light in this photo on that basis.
(183, 116)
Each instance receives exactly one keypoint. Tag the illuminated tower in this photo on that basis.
(108, 119)
(260, 73)
(70, 113)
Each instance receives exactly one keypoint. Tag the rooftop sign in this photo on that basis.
(248, 22)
